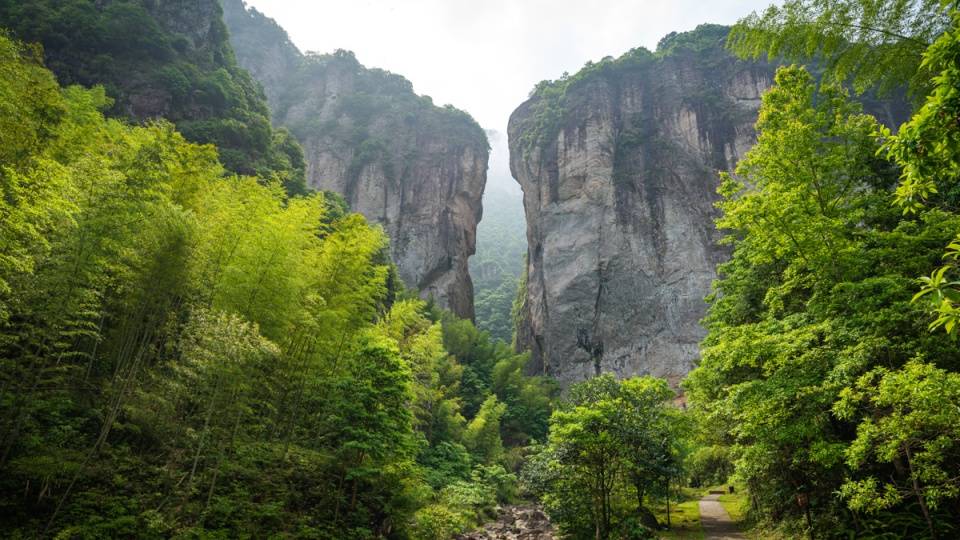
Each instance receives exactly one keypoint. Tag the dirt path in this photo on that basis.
(715, 521)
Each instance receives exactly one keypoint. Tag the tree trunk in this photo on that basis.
(668, 502)
(918, 493)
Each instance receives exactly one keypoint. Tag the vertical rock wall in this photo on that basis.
(619, 172)
(619, 168)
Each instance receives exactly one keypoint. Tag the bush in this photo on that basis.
(439, 522)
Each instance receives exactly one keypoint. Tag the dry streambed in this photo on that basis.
(521, 522)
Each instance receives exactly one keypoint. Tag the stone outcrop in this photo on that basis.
(523, 522)
(417, 169)
(619, 195)
(619, 168)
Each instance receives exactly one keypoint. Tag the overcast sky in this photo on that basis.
(484, 56)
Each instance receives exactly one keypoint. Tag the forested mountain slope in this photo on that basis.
(497, 267)
(169, 60)
(189, 353)
(415, 168)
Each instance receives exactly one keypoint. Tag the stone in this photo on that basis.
(516, 522)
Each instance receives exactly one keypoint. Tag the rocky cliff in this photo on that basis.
(619, 168)
(417, 169)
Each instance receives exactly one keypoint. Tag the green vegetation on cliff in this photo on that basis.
(368, 110)
(551, 101)
(169, 60)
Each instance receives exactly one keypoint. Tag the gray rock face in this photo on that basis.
(619, 196)
(417, 169)
(619, 168)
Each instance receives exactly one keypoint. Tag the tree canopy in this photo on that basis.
(189, 353)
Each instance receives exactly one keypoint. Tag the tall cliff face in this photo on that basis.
(417, 169)
(169, 59)
(618, 166)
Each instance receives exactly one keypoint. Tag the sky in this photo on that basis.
(484, 56)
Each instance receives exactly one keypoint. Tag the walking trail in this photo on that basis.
(715, 521)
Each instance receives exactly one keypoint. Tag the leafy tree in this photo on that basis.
(611, 440)
(866, 42)
(482, 436)
(151, 65)
(528, 400)
(817, 294)
(478, 355)
(912, 417)
(927, 148)
(185, 353)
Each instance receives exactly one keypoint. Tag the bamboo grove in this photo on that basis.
(184, 351)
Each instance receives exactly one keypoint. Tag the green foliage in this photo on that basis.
(185, 353)
(868, 43)
(612, 446)
(815, 299)
(492, 369)
(154, 61)
(914, 418)
(552, 101)
(709, 466)
(482, 436)
(528, 400)
(478, 355)
(379, 121)
(464, 504)
(498, 264)
(701, 41)
(927, 149)
(548, 98)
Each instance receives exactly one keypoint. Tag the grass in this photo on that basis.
(736, 505)
(684, 517)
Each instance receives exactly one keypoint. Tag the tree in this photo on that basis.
(482, 436)
(869, 43)
(608, 439)
(927, 149)
(185, 352)
(912, 416)
(816, 294)
(651, 435)
(528, 400)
